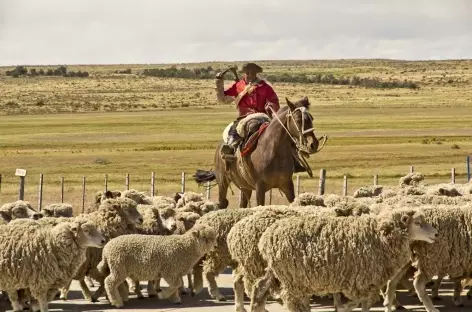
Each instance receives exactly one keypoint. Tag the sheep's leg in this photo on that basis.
(213, 287)
(348, 307)
(112, 283)
(85, 290)
(238, 291)
(436, 286)
(99, 292)
(89, 281)
(197, 278)
(15, 301)
(419, 282)
(136, 288)
(260, 291)
(65, 292)
(390, 296)
(41, 302)
(456, 297)
(293, 303)
(151, 288)
(182, 289)
(123, 290)
(171, 292)
(190, 284)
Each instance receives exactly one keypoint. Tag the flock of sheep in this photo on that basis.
(355, 249)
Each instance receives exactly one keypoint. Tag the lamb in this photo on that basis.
(113, 218)
(25, 265)
(297, 254)
(242, 245)
(217, 260)
(186, 197)
(156, 221)
(18, 209)
(451, 254)
(150, 257)
(57, 210)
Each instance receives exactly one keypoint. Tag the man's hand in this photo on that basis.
(268, 109)
(220, 75)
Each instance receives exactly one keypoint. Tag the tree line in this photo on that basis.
(61, 71)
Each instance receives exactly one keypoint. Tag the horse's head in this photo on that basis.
(299, 123)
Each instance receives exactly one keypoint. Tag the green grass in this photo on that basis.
(116, 124)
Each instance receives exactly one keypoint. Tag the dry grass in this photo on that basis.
(116, 124)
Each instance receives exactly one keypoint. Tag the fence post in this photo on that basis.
(22, 174)
(208, 190)
(345, 186)
(0, 182)
(298, 185)
(153, 179)
(412, 169)
(106, 182)
(376, 179)
(270, 197)
(240, 198)
(321, 186)
(40, 195)
(62, 189)
(183, 182)
(127, 181)
(83, 194)
(453, 175)
(468, 168)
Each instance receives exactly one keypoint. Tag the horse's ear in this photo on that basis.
(306, 102)
(290, 104)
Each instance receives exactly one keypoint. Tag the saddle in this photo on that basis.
(249, 138)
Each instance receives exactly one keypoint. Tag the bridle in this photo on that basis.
(299, 144)
(302, 151)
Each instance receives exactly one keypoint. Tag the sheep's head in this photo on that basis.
(167, 216)
(410, 222)
(130, 209)
(87, 233)
(206, 236)
(19, 210)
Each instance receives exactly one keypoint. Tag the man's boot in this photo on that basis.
(233, 142)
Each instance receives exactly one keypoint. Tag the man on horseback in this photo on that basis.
(251, 95)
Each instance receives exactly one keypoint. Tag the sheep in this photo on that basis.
(57, 210)
(321, 254)
(308, 199)
(156, 221)
(217, 260)
(164, 201)
(368, 191)
(16, 210)
(113, 218)
(151, 257)
(451, 254)
(25, 265)
(99, 198)
(183, 198)
(200, 207)
(411, 179)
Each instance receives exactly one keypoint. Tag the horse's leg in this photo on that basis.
(260, 193)
(245, 198)
(289, 191)
(222, 193)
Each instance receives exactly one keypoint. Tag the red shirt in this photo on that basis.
(254, 102)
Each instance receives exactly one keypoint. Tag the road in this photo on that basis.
(203, 303)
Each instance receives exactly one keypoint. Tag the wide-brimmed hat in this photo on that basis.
(252, 67)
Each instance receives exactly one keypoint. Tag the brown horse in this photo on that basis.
(289, 135)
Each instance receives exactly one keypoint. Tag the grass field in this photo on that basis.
(115, 124)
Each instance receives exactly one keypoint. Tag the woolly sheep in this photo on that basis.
(113, 218)
(101, 197)
(451, 253)
(200, 207)
(25, 265)
(217, 260)
(156, 221)
(57, 210)
(186, 197)
(17, 210)
(151, 257)
(368, 191)
(322, 255)
(308, 199)
(412, 179)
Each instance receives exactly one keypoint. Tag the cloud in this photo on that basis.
(148, 31)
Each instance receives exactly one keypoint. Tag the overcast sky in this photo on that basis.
(168, 31)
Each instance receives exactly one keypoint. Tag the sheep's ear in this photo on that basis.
(75, 227)
(405, 219)
(291, 106)
(117, 194)
(108, 194)
(5, 216)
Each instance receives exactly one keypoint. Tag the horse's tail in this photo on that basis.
(202, 176)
